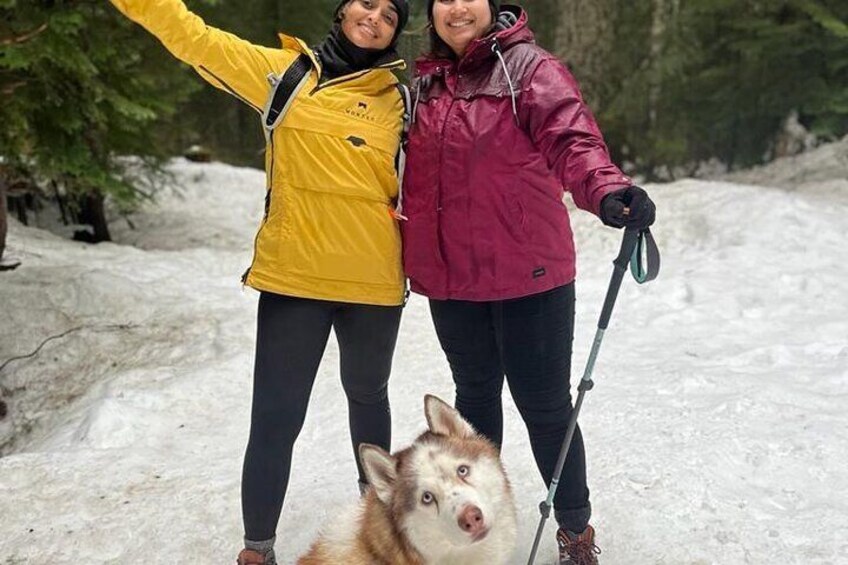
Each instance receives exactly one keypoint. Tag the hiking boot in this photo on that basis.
(251, 557)
(9, 263)
(577, 549)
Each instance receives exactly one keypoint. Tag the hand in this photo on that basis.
(629, 207)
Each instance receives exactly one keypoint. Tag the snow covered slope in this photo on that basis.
(716, 433)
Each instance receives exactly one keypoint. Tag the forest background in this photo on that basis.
(679, 87)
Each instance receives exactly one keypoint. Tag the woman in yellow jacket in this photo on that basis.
(327, 252)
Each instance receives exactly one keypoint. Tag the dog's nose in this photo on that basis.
(471, 520)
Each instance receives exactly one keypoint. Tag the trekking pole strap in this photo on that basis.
(645, 259)
(634, 246)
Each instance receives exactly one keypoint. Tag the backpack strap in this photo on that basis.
(400, 158)
(284, 89)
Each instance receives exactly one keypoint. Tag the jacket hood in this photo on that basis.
(481, 49)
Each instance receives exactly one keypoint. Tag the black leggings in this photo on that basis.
(291, 336)
(528, 340)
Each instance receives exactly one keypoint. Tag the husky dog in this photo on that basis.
(443, 500)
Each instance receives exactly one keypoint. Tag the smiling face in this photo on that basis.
(459, 22)
(370, 24)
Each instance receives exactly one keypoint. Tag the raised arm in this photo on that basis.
(226, 61)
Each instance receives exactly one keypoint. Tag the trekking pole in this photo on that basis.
(634, 244)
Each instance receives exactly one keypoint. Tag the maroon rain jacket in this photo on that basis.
(486, 170)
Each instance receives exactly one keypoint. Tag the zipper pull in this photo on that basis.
(244, 278)
(395, 213)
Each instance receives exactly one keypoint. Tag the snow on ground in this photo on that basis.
(716, 432)
(823, 170)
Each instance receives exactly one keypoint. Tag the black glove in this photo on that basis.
(629, 207)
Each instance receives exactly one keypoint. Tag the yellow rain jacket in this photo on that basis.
(328, 232)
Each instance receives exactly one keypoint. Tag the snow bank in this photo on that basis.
(823, 170)
(716, 432)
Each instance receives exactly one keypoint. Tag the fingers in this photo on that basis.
(618, 213)
(640, 215)
(629, 208)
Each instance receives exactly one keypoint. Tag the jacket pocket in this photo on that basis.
(422, 255)
(330, 153)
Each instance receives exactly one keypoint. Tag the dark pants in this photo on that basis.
(528, 340)
(292, 334)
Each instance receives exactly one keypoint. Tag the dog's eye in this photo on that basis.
(463, 471)
(427, 498)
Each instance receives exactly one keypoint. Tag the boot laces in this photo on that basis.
(581, 550)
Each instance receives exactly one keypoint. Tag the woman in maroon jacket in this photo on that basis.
(499, 131)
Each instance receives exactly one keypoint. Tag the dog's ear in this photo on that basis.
(380, 469)
(445, 420)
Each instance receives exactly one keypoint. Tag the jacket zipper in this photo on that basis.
(267, 210)
(353, 76)
(270, 176)
(439, 188)
(229, 88)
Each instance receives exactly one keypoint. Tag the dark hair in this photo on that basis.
(438, 48)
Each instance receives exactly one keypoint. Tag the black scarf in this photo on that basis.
(339, 56)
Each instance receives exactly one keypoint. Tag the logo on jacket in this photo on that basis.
(360, 111)
(356, 141)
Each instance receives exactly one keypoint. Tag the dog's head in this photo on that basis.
(448, 489)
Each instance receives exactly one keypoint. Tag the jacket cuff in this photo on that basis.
(605, 190)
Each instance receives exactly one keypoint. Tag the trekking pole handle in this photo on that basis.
(628, 245)
(639, 249)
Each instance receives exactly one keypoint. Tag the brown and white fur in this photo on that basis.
(445, 499)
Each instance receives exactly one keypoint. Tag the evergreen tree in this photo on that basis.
(721, 77)
(544, 17)
(308, 21)
(583, 41)
(672, 83)
(80, 88)
(230, 130)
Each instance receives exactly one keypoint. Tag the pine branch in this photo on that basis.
(18, 39)
(9, 89)
(824, 17)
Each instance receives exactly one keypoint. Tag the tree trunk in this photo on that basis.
(657, 33)
(663, 13)
(3, 212)
(93, 213)
(584, 40)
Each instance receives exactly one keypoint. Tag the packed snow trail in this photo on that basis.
(715, 434)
